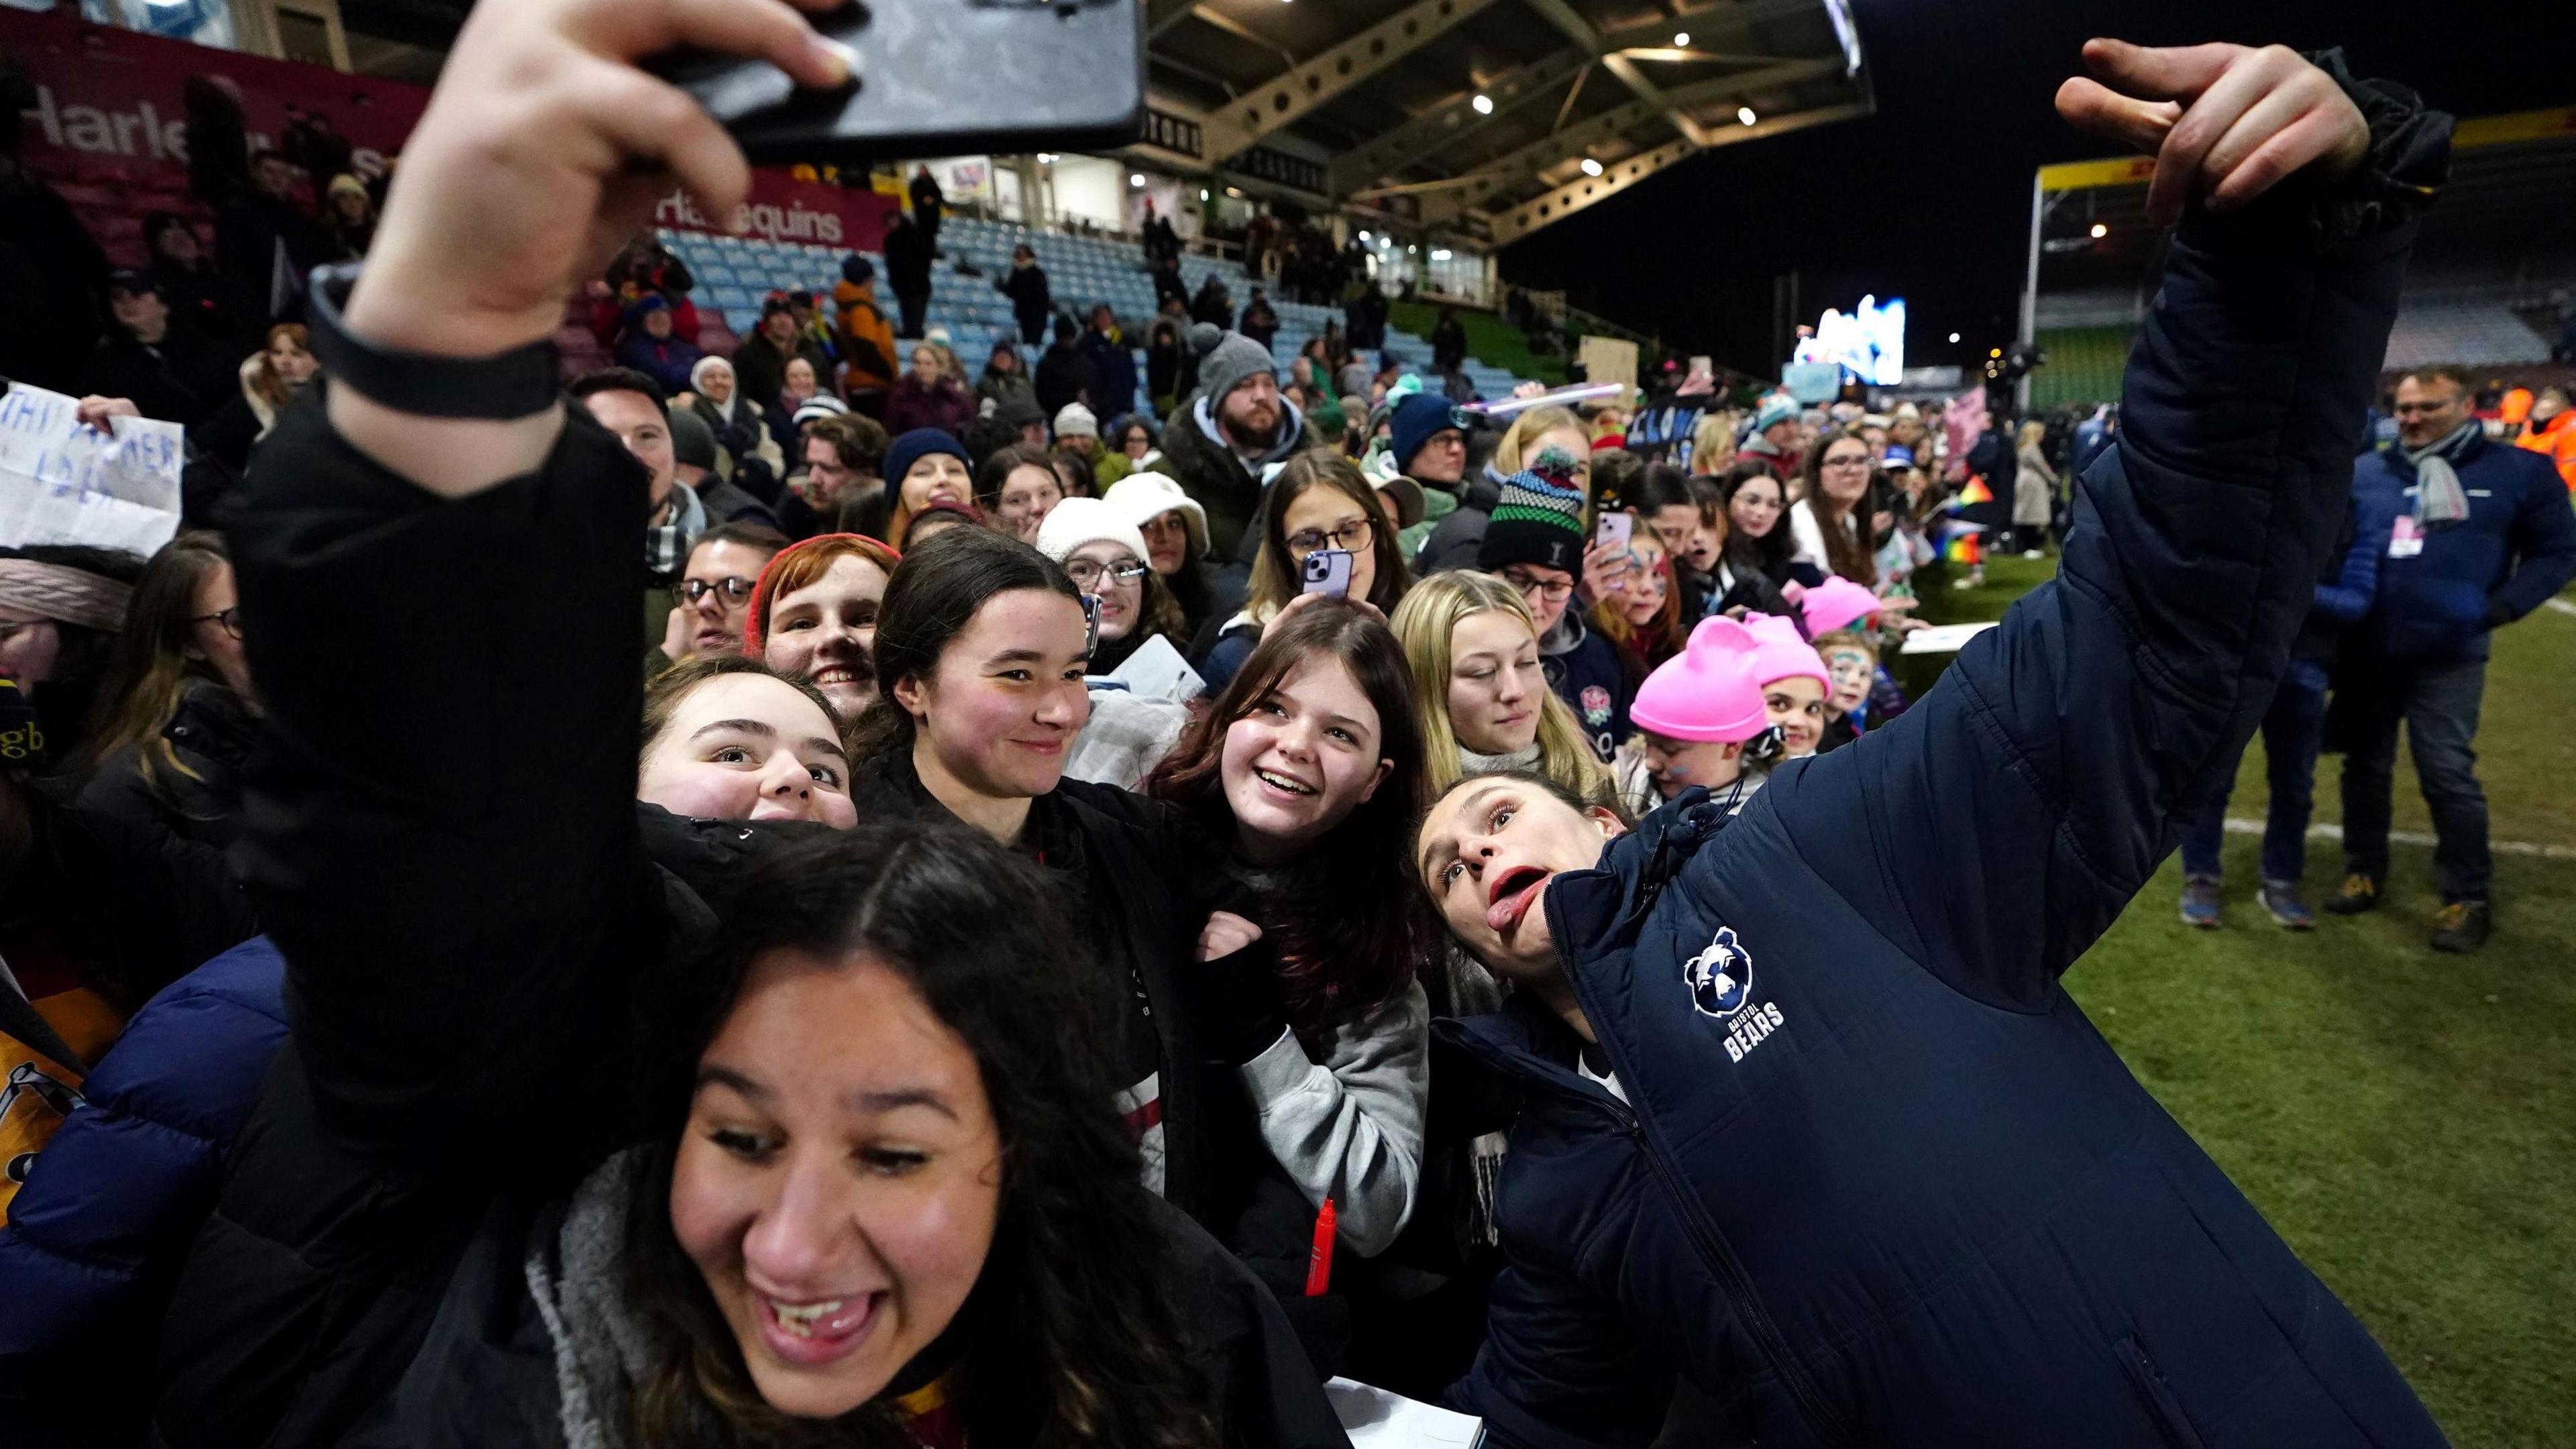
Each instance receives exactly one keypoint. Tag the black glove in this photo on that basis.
(1237, 1001)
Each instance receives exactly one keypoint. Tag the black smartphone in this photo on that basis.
(939, 78)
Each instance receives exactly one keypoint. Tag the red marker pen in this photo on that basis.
(1319, 1264)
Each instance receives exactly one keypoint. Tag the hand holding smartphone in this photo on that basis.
(1328, 571)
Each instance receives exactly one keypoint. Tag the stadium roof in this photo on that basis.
(1333, 102)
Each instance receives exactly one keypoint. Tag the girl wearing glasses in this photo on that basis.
(1828, 522)
(1318, 501)
(176, 720)
(1105, 556)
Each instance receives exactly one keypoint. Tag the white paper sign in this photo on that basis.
(1157, 671)
(64, 482)
(1378, 1419)
(1942, 638)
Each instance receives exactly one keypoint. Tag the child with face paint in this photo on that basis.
(1794, 683)
(1852, 661)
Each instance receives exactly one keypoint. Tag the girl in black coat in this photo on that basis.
(177, 718)
(897, 1205)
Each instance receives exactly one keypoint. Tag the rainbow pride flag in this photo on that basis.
(1976, 492)
(1966, 549)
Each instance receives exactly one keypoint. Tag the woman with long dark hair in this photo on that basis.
(1303, 778)
(875, 1189)
(1318, 501)
(1758, 555)
(1829, 520)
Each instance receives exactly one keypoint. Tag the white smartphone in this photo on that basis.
(1328, 571)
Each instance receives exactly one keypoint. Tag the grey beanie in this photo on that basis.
(1227, 360)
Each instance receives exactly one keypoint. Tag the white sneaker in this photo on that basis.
(2034, 553)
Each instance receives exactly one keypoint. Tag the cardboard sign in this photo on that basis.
(64, 482)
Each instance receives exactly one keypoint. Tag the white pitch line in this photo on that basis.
(2417, 837)
(2562, 606)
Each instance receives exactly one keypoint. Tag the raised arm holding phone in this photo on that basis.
(1810, 1120)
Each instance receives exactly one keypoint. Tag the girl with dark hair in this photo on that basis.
(176, 720)
(1662, 496)
(1017, 487)
(1318, 501)
(1304, 778)
(1829, 521)
(981, 648)
(1757, 554)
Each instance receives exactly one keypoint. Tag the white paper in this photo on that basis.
(1943, 638)
(1377, 1419)
(1157, 671)
(62, 482)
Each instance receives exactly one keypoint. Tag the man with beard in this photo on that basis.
(1238, 425)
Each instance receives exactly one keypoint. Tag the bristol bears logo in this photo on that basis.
(1721, 977)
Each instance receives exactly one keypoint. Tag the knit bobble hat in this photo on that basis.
(1775, 410)
(1077, 521)
(1073, 420)
(1412, 424)
(916, 445)
(1538, 520)
(1227, 360)
(1834, 604)
(1782, 653)
(1707, 692)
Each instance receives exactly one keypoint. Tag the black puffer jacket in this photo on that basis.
(471, 904)
(161, 837)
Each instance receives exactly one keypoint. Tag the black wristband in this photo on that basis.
(515, 384)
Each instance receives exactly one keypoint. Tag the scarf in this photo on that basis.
(1292, 430)
(64, 594)
(666, 547)
(2439, 499)
(1524, 758)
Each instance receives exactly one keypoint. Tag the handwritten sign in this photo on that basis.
(62, 481)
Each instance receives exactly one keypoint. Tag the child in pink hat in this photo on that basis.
(1695, 715)
(1794, 682)
(1836, 604)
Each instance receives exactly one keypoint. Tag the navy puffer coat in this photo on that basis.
(1875, 1178)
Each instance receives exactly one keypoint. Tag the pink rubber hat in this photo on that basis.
(1782, 654)
(1835, 604)
(1708, 691)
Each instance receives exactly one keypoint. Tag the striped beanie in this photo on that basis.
(1538, 520)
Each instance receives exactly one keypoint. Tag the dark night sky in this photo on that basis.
(1929, 199)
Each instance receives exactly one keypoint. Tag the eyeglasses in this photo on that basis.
(1087, 574)
(1862, 461)
(1350, 537)
(229, 618)
(1554, 591)
(736, 589)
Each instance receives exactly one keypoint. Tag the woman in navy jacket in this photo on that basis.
(1807, 1117)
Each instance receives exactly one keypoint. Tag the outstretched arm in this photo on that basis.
(442, 830)
(1999, 826)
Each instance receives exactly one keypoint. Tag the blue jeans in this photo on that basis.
(2438, 702)
(2291, 730)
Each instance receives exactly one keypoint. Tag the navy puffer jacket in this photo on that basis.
(96, 1237)
(1876, 1179)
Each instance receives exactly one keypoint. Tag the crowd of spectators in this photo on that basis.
(803, 882)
